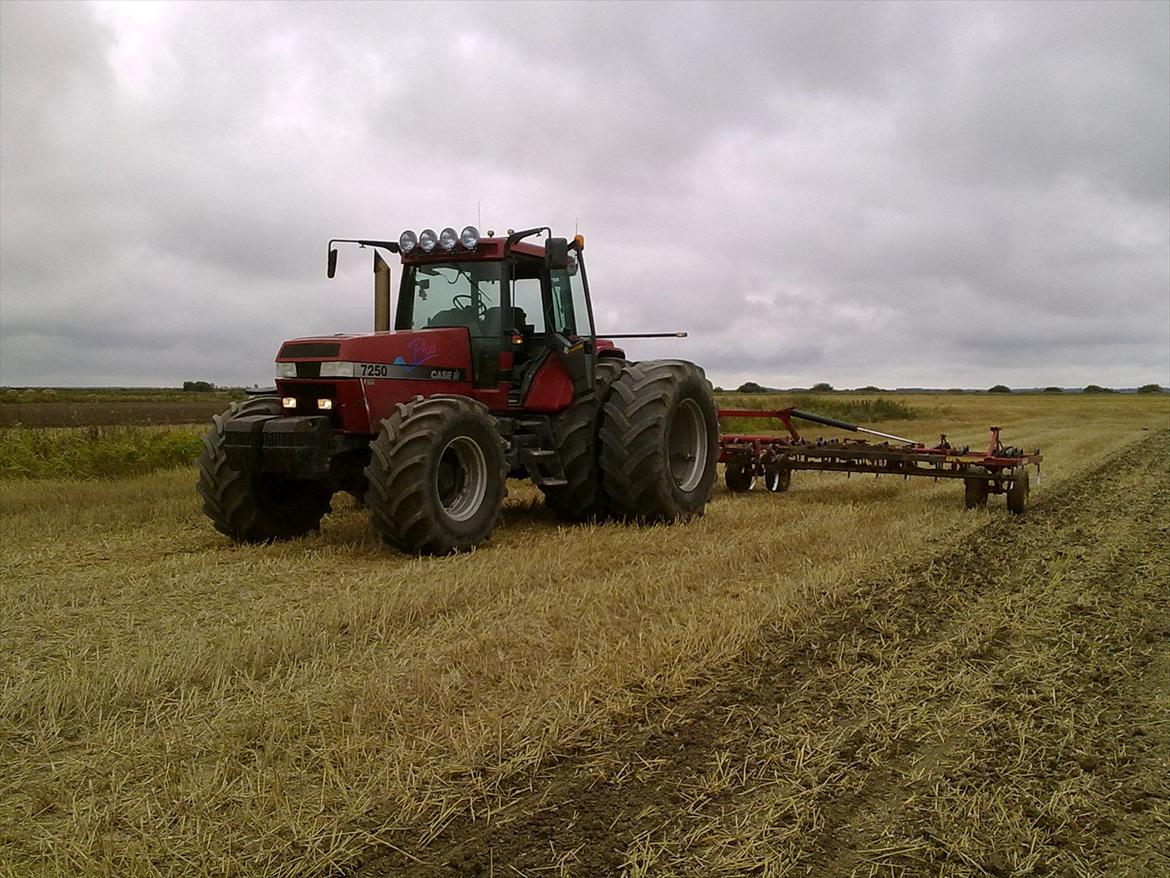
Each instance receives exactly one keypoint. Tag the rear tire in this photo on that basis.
(436, 476)
(659, 441)
(1017, 494)
(256, 507)
(575, 432)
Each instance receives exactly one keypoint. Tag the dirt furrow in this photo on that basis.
(939, 720)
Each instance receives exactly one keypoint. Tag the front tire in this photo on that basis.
(659, 441)
(436, 476)
(256, 507)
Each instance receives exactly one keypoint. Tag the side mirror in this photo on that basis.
(332, 262)
(556, 253)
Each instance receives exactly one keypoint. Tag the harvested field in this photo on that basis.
(857, 677)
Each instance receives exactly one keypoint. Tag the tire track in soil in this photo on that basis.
(589, 819)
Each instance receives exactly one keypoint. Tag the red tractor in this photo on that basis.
(493, 370)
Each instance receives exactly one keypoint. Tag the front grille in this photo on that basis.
(310, 349)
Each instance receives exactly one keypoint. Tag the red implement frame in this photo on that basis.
(996, 470)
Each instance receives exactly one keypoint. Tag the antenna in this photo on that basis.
(576, 223)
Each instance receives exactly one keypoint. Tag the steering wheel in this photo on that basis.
(468, 304)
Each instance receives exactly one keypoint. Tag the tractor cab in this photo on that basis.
(524, 339)
(522, 304)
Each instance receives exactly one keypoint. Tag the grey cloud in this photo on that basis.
(804, 187)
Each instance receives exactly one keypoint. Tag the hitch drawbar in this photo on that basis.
(997, 470)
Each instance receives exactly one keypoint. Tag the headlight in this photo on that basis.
(407, 241)
(448, 238)
(286, 370)
(469, 237)
(336, 369)
(427, 240)
(289, 402)
(325, 405)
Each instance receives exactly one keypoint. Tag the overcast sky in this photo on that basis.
(894, 194)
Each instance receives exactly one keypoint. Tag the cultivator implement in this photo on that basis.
(998, 469)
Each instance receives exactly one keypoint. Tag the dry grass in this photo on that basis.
(174, 704)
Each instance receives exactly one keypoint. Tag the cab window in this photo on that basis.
(459, 294)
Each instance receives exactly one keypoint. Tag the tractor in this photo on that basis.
(493, 370)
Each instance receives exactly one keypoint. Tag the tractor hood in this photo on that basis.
(420, 355)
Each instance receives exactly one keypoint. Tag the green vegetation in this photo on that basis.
(95, 452)
(1151, 388)
(203, 386)
(1097, 388)
(822, 387)
(999, 388)
(1054, 389)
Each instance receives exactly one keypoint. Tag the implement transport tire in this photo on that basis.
(256, 507)
(575, 434)
(738, 478)
(975, 493)
(436, 476)
(1017, 494)
(659, 442)
(777, 478)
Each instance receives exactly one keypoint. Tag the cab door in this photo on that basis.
(571, 318)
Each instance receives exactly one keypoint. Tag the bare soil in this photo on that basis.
(1000, 709)
(108, 413)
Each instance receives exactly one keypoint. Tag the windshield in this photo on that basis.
(455, 294)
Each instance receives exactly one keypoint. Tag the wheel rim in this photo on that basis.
(461, 478)
(687, 445)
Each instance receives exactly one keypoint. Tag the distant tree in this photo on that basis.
(1054, 390)
(1150, 388)
(750, 387)
(955, 390)
(869, 388)
(822, 387)
(197, 386)
(999, 388)
(1097, 388)
(719, 390)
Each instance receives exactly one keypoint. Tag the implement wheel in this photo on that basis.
(659, 441)
(975, 493)
(777, 478)
(739, 478)
(575, 433)
(436, 476)
(1017, 494)
(256, 507)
